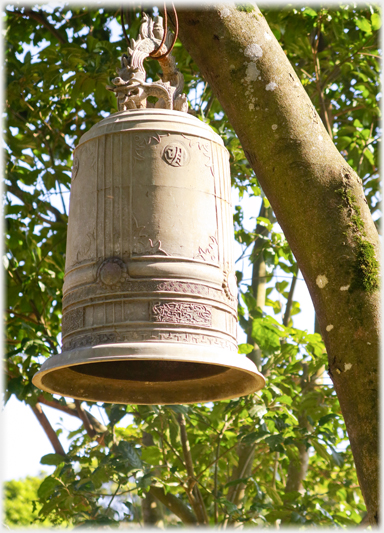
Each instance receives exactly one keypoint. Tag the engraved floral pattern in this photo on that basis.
(182, 313)
(73, 320)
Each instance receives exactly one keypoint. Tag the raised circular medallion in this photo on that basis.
(175, 154)
(112, 272)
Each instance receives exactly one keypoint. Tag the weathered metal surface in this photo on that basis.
(150, 295)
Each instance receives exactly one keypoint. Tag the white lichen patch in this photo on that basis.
(267, 36)
(253, 51)
(271, 86)
(344, 287)
(321, 281)
(347, 366)
(251, 107)
(369, 343)
(329, 327)
(252, 72)
(224, 12)
(338, 371)
(274, 127)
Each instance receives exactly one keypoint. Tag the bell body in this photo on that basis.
(150, 294)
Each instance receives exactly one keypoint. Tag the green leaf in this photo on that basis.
(321, 450)
(376, 21)
(52, 459)
(237, 482)
(245, 348)
(337, 457)
(285, 399)
(47, 487)
(152, 455)
(275, 443)
(310, 12)
(274, 495)
(324, 419)
(128, 452)
(364, 25)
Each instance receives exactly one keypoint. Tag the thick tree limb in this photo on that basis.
(49, 431)
(317, 198)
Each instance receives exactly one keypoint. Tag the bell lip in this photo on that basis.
(252, 379)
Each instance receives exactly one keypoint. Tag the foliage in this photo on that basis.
(243, 450)
(21, 503)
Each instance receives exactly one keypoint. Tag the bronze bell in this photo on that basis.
(150, 293)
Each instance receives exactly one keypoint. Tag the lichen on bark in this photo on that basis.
(366, 267)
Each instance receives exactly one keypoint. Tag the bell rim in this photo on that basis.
(237, 365)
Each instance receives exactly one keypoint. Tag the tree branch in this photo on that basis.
(70, 409)
(259, 278)
(324, 110)
(20, 194)
(174, 504)
(40, 18)
(193, 489)
(288, 308)
(23, 317)
(49, 431)
(83, 415)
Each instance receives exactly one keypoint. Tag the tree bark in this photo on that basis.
(318, 201)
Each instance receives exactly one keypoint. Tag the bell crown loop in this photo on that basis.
(130, 86)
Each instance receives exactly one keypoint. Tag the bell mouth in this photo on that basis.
(149, 374)
(153, 371)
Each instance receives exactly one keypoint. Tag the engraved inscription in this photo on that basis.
(141, 144)
(210, 253)
(130, 287)
(205, 149)
(175, 155)
(182, 313)
(75, 167)
(73, 320)
(145, 336)
(142, 244)
(84, 250)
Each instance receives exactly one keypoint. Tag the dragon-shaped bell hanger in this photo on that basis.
(130, 86)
